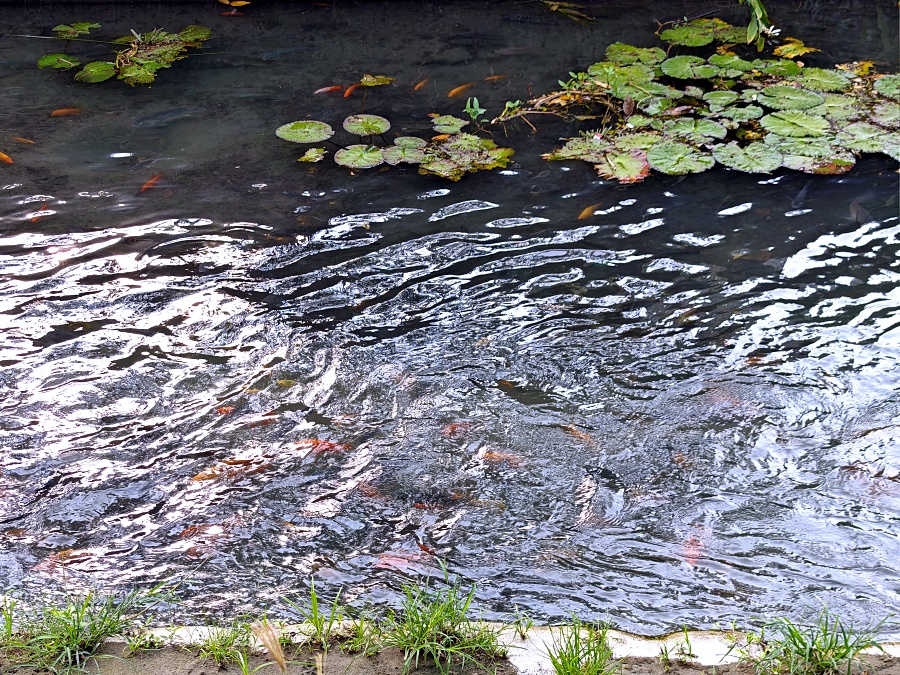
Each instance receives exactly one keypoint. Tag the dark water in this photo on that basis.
(683, 409)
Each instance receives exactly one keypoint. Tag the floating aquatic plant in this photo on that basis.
(366, 125)
(138, 58)
(685, 113)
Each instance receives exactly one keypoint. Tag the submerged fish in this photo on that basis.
(284, 51)
(166, 117)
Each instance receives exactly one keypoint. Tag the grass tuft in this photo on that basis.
(582, 649)
(323, 625)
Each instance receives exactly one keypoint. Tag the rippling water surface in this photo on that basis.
(683, 408)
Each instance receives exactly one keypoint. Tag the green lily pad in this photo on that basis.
(865, 137)
(692, 91)
(409, 142)
(137, 74)
(654, 105)
(688, 68)
(721, 98)
(837, 107)
(777, 67)
(194, 35)
(742, 113)
(641, 140)
(366, 125)
(454, 156)
(888, 85)
(442, 167)
(729, 62)
(395, 154)
(633, 80)
(359, 156)
(626, 167)
(313, 155)
(638, 121)
(756, 157)
(305, 131)
(795, 123)
(820, 79)
(688, 35)
(782, 97)
(839, 161)
(676, 158)
(887, 114)
(809, 147)
(626, 54)
(78, 28)
(695, 130)
(375, 80)
(448, 124)
(588, 148)
(61, 61)
(96, 71)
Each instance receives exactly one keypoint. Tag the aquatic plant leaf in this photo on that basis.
(78, 28)
(782, 97)
(61, 61)
(627, 54)
(730, 62)
(720, 98)
(628, 166)
(447, 124)
(886, 114)
(359, 156)
(638, 121)
(622, 80)
(688, 35)
(742, 113)
(692, 91)
(366, 125)
(837, 107)
(809, 147)
(135, 74)
(756, 157)
(654, 105)
(676, 158)
(466, 152)
(589, 149)
(194, 35)
(688, 68)
(641, 140)
(313, 155)
(409, 142)
(795, 123)
(821, 79)
(395, 154)
(96, 71)
(442, 167)
(888, 85)
(866, 137)
(695, 130)
(792, 48)
(840, 161)
(778, 67)
(305, 131)
(375, 80)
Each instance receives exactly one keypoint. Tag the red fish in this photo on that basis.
(151, 183)
(351, 89)
(37, 216)
(460, 89)
(420, 84)
(317, 446)
(328, 90)
(6, 159)
(65, 112)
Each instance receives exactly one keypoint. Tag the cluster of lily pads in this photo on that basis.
(683, 114)
(450, 154)
(138, 58)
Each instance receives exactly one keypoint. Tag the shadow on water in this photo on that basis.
(679, 409)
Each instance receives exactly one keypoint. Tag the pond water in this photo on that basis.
(681, 409)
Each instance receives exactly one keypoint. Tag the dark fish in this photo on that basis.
(530, 19)
(475, 39)
(278, 53)
(799, 200)
(858, 212)
(167, 117)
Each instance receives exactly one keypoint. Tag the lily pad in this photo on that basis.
(641, 140)
(305, 131)
(60, 61)
(888, 85)
(396, 154)
(375, 80)
(820, 79)
(137, 74)
(729, 62)
(887, 114)
(359, 156)
(792, 48)
(78, 28)
(313, 155)
(96, 71)
(837, 107)
(442, 167)
(865, 137)
(795, 124)
(409, 142)
(448, 124)
(688, 68)
(695, 130)
(589, 149)
(688, 35)
(626, 167)
(366, 125)
(778, 67)
(720, 98)
(839, 161)
(742, 113)
(626, 54)
(676, 158)
(692, 91)
(623, 81)
(782, 97)
(756, 157)
(460, 153)
(194, 35)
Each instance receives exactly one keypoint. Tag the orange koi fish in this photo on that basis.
(150, 183)
(589, 211)
(37, 217)
(317, 446)
(65, 112)
(351, 89)
(22, 140)
(420, 84)
(225, 409)
(494, 78)
(6, 159)
(328, 90)
(233, 12)
(459, 90)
